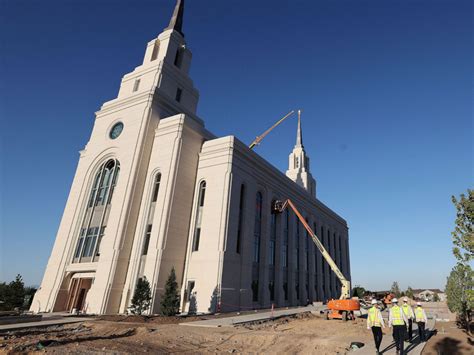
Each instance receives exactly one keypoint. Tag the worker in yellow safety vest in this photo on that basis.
(421, 320)
(397, 320)
(375, 322)
(410, 316)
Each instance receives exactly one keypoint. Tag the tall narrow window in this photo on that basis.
(273, 239)
(241, 216)
(316, 268)
(306, 247)
(156, 187)
(156, 48)
(323, 264)
(255, 290)
(178, 59)
(297, 243)
(197, 230)
(257, 227)
(179, 93)
(285, 239)
(271, 289)
(146, 243)
(136, 85)
(332, 256)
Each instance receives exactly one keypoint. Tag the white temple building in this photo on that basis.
(154, 190)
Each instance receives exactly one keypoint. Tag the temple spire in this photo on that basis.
(299, 133)
(176, 22)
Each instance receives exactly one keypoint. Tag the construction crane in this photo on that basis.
(344, 307)
(259, 138)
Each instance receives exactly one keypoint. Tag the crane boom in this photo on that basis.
(346, 285)
(259, 138)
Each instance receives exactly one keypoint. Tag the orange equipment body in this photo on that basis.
(342, 309)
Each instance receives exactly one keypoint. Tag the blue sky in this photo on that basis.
(385, 88)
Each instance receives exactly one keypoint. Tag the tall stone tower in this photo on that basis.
(298, 164)
(90, 264)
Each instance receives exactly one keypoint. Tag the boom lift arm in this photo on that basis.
(259, 138)
(279, 207)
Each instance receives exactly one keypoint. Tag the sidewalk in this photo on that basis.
(45, 322)
(238, 319)
(388, 346)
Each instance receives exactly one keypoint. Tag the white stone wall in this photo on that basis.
(226, 164)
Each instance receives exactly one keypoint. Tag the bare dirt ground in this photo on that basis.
(449, 339)
(304, 333)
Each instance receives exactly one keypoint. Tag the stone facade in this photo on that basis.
(154, 190)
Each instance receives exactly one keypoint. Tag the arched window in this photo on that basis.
(156, 187)
(200, 206)
(95, 216)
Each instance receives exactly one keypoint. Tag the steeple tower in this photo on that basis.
(176, 22)
(298, 165)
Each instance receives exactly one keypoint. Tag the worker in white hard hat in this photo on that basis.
(398, 320)
(421, 320)
(410, 316)
(375, 322)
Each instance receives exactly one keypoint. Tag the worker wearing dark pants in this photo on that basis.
(398, 320)
(421, 320)
(410, 316)
(375, 322)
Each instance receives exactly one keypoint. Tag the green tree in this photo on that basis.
(436, 297)
(409, 292)
(29, 294)
(170, 299)
(395, 289)
(463, 234)
(358, 291)
(142, 298)
(459, 292)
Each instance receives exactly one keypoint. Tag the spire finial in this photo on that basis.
(299, 134)
(176, 22)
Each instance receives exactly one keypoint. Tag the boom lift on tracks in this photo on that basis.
(344, 307)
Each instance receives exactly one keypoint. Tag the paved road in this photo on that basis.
(388, 346)
(252, 317)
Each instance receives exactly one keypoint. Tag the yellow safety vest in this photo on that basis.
(374, 317)
(406, 308)
(397, 318)
(419, 314)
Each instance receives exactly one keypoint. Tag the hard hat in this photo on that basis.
(374, 301)
(405, 299)
(394, 300)
(418, 303)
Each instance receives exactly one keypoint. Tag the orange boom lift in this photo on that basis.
(344, 307)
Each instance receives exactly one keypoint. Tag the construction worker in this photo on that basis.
(421, 320)
(410, 316)
(398, 320)
(375, 322)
